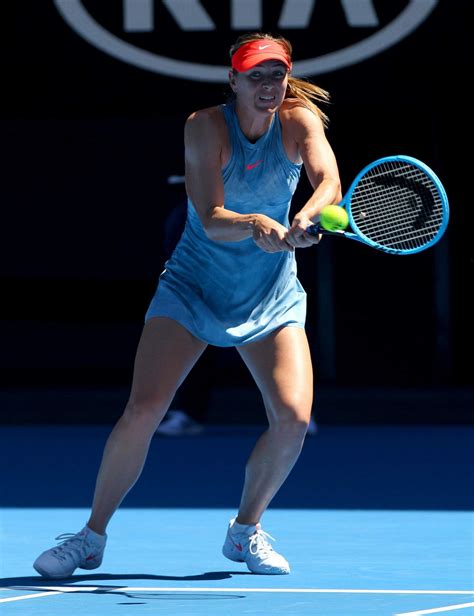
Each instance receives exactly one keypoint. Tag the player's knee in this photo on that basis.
(146, 410)
(292, 415)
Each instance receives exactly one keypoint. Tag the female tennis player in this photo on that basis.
(231, 281)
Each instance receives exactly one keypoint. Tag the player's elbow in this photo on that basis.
(211, 232)
(210, 223)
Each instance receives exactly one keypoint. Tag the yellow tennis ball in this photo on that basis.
(334, 218)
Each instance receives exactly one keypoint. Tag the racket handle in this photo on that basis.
(316, 229)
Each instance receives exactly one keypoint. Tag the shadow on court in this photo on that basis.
(36, 581)
(35, 584)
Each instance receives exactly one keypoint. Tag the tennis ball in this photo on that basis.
(334, 218)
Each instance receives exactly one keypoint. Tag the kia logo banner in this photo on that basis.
(175, 38)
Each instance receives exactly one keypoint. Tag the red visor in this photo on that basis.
(250, 54)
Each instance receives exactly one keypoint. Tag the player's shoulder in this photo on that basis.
(205, 117)
(205, 129)
(295, 113)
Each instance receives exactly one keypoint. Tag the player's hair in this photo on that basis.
(306, 92)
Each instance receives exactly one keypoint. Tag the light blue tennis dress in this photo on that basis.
(232, 293)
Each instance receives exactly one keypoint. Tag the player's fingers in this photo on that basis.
(272, 244)
(313, 239)
(280, 241)
(304, 243)
(292, 236)
(298, 238)
(291, 241)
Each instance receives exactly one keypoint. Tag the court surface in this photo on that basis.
(373, 520)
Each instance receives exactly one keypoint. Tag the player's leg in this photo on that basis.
(188, 410)
(281, 366)
(166, 353)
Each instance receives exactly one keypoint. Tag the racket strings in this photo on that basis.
(397, 205)
(403, 199)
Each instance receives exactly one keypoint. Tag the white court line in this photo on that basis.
(57, 590)
(448, 608)
(52, 590)
(33, 596)
(307, 590)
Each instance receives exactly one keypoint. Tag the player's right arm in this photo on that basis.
(203, 162)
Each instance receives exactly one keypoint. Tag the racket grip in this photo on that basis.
(315, 229)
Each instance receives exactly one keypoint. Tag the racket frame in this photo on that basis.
(359, 236)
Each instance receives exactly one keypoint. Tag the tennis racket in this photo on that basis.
(396, 204)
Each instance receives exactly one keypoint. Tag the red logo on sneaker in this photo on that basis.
(238, 546)
(90, 557)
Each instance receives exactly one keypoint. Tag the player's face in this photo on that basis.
(263, 87)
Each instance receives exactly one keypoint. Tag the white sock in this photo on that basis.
(242, 528)
(91, 534)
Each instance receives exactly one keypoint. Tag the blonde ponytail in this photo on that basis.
(308, 94)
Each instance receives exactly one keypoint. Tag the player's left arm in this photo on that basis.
(320, 164)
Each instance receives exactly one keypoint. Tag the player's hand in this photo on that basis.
(296, 235)
(270, 235)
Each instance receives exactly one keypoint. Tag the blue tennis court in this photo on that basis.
(373, 520)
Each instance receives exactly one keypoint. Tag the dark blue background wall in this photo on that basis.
(89, 141)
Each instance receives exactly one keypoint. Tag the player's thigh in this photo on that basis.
(166, 353)
(281, 365)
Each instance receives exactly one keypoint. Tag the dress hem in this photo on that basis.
(257, 338)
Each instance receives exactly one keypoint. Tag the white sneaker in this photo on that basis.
(250, 544)
(178, 423)
(84, 550)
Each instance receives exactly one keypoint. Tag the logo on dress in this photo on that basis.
(253, 165)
